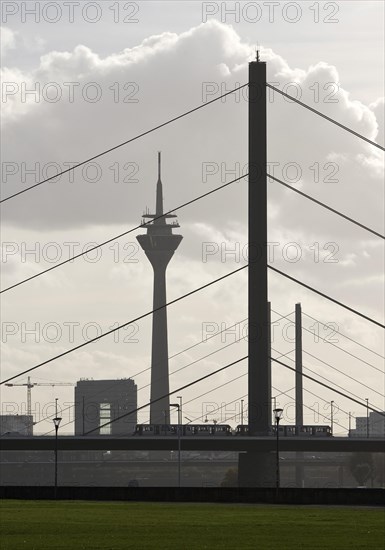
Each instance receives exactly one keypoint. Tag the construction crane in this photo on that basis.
(30, 385)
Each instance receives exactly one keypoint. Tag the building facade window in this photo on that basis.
(105, 416)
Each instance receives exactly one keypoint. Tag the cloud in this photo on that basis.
(8, 40)
(378, 109)
(60, 124)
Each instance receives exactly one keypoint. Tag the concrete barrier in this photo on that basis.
(286, 495)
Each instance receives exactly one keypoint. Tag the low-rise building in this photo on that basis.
(16, 424)
(105, 407)
(371, 426)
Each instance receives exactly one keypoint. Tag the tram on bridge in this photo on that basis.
(222, 430)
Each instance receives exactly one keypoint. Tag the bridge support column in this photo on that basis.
(299, 467)
(256, 469)
(341, 476)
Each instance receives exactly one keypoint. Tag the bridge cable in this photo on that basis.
(124, 324)
(149, 368)
(220, 370)
(335, 368)
(326, 117)
(290, 397)
(181, 298)
(348, 338)
(327, 297)
(338, 347)
(345, 351)
(143, 224)
(186, 113)
(121, 234)
(205, 377)
(344, 374)
(327, 379)
(330, 388)
(327, 207)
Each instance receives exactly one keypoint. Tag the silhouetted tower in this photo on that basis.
(159, 244)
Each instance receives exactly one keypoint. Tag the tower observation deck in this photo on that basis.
(159, 245)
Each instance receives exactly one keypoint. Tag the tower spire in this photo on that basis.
(159, 191)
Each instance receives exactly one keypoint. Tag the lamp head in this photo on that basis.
(278, 414)
(57, 421)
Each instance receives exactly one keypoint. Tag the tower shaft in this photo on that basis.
(160, 401)
(256, 468)
(258, 336)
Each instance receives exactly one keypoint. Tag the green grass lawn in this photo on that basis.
(41, 525)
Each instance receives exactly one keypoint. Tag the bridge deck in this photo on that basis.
(256, 444)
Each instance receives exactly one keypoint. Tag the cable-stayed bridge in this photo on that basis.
(259, 357)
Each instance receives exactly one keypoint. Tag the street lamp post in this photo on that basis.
(56, 422)
(331, 416)
(241, 412)
(180, 410)
(274, 404)
(367, 417)
(277, 416)
(177, 405)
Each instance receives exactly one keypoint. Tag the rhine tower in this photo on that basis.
(159, 245)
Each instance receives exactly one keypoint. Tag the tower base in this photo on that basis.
(256, 469)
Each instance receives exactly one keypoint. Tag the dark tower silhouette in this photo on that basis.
(256, 469)
(159, 244)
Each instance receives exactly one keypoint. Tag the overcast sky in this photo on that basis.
(98, 84)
